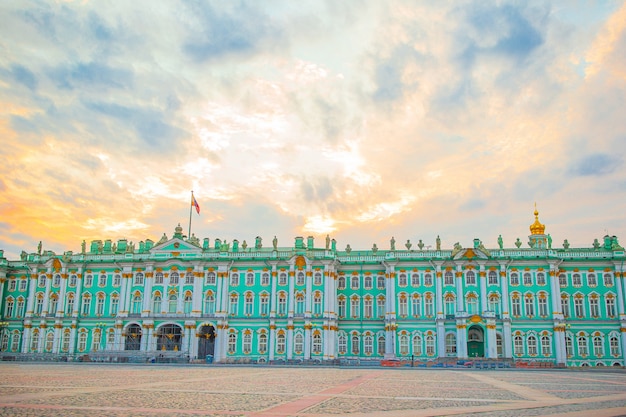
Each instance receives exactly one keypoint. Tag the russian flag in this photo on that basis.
(195, 204)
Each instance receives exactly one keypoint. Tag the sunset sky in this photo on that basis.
(359, 119)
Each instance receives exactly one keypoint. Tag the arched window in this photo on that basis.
(156, 303)
(300, 278)
(417, 345)
(518, 345)
(137, 300)
(262, 343)
(354, 283)
(232, 343)
(381, 345)
(448, 278)
(402, 305)
(342, 344)
(451, 344)
(367, 282)
(583, 348)
(172, 303)
(187, 303)
(416, 305)
(430, 345)
(15, 341)
(450, 304)
(404, 344)
(298, 343)
(65, 345)
(280, 343)
(282, 304)
(158, 278)
(470, 278)
(532, 345)
(317, 343)
(82, 341)
(402, 280)
(317, 304)
(233, 306)
(300, 304)
(341, 282)
(209, 303)
(174, 277)
(368, 344)
(492, 276)
(247, 342)
(355, 344)
(210, 278)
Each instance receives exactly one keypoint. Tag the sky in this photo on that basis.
(362, 120)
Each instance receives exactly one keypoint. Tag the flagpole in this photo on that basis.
(190, 208)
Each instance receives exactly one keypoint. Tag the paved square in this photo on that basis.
(149, 390)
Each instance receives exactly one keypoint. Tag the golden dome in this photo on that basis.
(537, 228)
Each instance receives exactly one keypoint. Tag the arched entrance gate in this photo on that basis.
(475, 342)
(206, 340)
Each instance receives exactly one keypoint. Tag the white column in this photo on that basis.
(492, 351)
(620, 294)
(272, 342)
(439, 292)
(291, 295)
(482, 276)
(460, 298)
(77, 299)
(461, 339)
(56, 344)
(62, 291)
(290, 339)
(146, 309)
(30, 302)
(441, 339)
(507, 342)
(307, 341)
(504, 283)
(308, 301)
(198, 296)
(26, 338)
(181, 294)
(46, 294)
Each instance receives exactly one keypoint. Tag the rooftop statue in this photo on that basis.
(275, 243)
(550, 241)
(420, 244)
(408, 244)
(596, 244)
(163, 239)
(518, 242)
(500, 242)
(327, 242)
(392, 243)
(565, 244)
(438, 241)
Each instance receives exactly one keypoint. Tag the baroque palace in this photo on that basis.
(184, 297)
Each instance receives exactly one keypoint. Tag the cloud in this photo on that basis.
(91, 75)
(239, 31)
(597, 165)
(24, 76)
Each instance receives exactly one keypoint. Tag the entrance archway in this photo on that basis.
(133, 337)
(169, 337)
(206, 340)
(475, 342)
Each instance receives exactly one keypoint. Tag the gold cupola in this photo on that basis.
(537, 228)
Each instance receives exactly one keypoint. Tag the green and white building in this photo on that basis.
(181, 296)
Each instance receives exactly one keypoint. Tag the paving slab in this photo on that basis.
(32, 389)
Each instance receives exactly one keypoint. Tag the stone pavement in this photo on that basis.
(28, 389)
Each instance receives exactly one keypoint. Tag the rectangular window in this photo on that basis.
(341, 308)
(579, 310)
(115, 303)
(610, 307)
(12, 284)
(102, 280)
(428, 306)
(23, 284)
(380, 282)
(381, 307)
(117, 280)
(428, 280)
(543, 306)
(265, 306)
(594, 307)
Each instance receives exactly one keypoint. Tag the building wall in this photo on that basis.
(266, 304)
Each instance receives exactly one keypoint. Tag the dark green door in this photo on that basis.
(475, 349)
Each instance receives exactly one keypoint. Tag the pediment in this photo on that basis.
(470, 253)
(175, 245)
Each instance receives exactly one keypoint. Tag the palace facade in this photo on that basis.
(181, 296)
